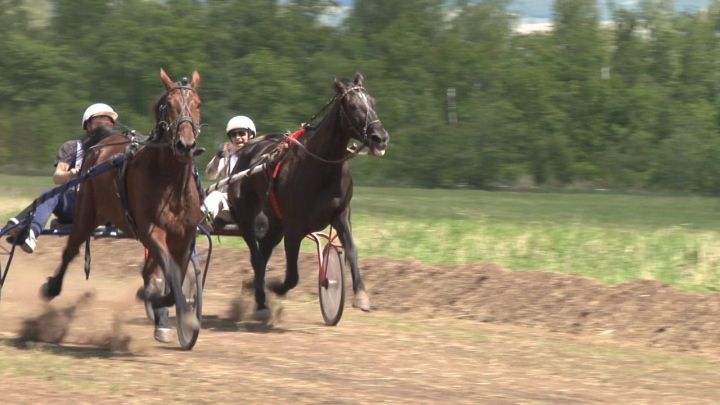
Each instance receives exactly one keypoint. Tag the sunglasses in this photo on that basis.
(240, 132)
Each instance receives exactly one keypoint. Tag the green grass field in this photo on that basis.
(611, 237)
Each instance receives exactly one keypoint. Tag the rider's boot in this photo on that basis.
(15, 231)
(30, 242)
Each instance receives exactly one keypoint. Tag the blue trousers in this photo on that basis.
(62, 205)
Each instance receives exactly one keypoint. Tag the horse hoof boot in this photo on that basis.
(263, 315)
(163, 335)
(190, 321)
(361, 301)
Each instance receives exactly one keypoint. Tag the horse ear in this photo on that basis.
(358, 79)
(167, 81)
(195, 80)
(339, 85)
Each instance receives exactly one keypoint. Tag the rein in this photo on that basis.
(132, 140)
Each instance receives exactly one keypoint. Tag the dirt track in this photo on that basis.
(452, 334)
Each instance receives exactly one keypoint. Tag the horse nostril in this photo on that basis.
(182, 146)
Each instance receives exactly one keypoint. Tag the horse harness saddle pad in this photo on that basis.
(276, 172)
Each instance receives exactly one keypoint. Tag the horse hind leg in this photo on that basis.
(82, 229)
(292, 249)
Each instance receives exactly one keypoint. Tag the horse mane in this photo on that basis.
(274, 136)
(98, 135)
(161, 100)
(158, 131)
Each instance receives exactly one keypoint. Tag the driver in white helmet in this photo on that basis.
(67, 166)
(240, 129)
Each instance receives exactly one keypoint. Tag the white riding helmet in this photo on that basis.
(96, 110)
(240, 122)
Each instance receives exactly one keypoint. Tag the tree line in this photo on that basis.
(627, 104)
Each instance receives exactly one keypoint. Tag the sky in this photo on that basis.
(535, 15)
(542, 9)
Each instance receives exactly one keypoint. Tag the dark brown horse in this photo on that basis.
(162, 197)
(312, 189)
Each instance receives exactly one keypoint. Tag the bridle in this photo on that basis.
(173, 127)
(363, 134)
(354, 151)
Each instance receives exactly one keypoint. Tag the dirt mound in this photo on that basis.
(643, 311)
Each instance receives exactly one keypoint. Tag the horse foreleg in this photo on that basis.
(153, 282)
(173, 277)
(344, 229)
(154, 286)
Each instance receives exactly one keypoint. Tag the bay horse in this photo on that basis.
(309, 191)
(162, 199)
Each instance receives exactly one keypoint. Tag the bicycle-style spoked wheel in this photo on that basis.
(332, 292)
(192, 290)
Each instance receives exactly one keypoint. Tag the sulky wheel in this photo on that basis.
(192, 290)
(332, 292)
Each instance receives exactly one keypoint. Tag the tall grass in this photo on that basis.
(16, 192)
(611, 237)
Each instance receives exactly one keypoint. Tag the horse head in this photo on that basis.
(177, 113)
(357, 108)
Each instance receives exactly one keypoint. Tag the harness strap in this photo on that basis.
(88, 259)
(274, 202)
(121, 186)
(79, 155)
(196, 176)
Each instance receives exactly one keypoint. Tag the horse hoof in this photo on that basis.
(263, 315)
(277, 286)
(50, 289)
(141, 295)
(163, 335)
(361, 301)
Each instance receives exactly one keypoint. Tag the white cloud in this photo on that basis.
(531, 25)
(335, 15)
